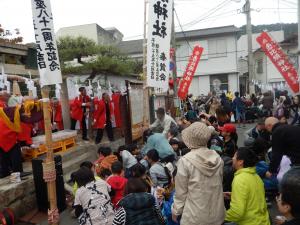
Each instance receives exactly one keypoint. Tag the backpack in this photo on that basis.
(170, 169)
(85, 217)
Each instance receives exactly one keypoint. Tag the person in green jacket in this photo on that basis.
(248, 203)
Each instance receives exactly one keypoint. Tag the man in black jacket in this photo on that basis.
(285, 141)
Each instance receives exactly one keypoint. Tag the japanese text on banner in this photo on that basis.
(158, 47)
(280, 60)
(189, 72)
(47, 54)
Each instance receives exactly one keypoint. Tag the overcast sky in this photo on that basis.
(127, 15)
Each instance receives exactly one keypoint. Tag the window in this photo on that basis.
(259, 68)
(217, 48)
(218, 83)
(2, 58)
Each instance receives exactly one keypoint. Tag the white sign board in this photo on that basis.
(158, 44)
(47, 54)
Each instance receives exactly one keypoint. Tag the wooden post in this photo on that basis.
(65, 106)
(51, 186)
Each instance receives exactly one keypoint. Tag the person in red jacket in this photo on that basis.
(25, 134)
(10, 151)
(102, 118)
(99, 118)
(117, 181)
(116, 100)
(79, 111)
(57, 119)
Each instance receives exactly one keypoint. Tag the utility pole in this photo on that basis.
(173, 44)
(299, 41)
(247, 11)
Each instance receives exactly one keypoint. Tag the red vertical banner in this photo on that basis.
(190, 72)
(280, 60)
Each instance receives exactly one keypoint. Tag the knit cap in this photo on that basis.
(196, 135)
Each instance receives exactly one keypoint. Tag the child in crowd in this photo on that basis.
(260, 147)
(92, 202)
(137, 206)
(158, 173)
(179, 148)
(175, 144)
(139, 171)
(228, 132)
(88, 165)
(135, 151)
(288, 201)
(106, 159)
(117, 182)
(127, 158)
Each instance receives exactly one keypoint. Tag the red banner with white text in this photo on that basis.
(280, 60)
(189, 72)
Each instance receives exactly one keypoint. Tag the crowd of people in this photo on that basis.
(192, 171)
(21, 118)
(187, 171)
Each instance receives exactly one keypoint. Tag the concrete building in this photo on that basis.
(102, 36)
(18, 59)
(242, 43)
(242, 54)
(264, 70)
(217, 70)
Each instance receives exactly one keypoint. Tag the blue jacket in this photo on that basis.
(167, 210)
(160, 143)
(270, 183)
(238, 105)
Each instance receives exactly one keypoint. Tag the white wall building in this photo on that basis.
(217, 70)
(242, 43)
(101, 36)
(242, 54)
(264, 70)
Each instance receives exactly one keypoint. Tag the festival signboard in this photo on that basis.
(47, 54)
(280, 60)
(158, 46)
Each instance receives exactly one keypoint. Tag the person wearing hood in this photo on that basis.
(199, 193)
(117, 181)
(137, 207)
(248, 203)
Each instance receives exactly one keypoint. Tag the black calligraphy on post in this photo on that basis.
(158, 48)
(47, 54)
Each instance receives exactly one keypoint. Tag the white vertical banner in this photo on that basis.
(158, 43)
(47, 54)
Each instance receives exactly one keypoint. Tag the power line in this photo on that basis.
(207, 14)
(289, 2)
(182, 30)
